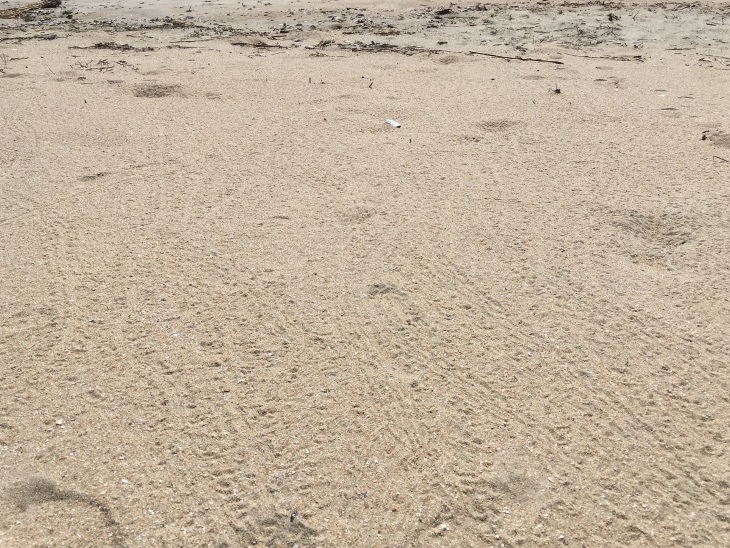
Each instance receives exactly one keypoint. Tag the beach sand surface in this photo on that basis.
(237, 308)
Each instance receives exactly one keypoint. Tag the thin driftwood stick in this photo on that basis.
(259, 45)
(611, 57)
(517, 58)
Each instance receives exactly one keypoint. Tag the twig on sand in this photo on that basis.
(114, 46)
(32, 37)
(713, 55)
(722, 159)
(380, 47)
(261, 45)
(209, 39)
(517, 58)
(639, 58)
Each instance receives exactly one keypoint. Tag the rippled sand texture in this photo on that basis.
(237, 308)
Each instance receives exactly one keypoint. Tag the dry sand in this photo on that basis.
(238, 309)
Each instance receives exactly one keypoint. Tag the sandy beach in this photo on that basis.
(237, 308)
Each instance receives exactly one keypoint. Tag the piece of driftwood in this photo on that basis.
(639, 58)
(32, 37)
(113, 46)
(517, 58)
(259, 45)
(380, 47)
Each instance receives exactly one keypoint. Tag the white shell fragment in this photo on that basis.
(392, 123)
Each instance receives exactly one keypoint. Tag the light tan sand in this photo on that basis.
(236, 308)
